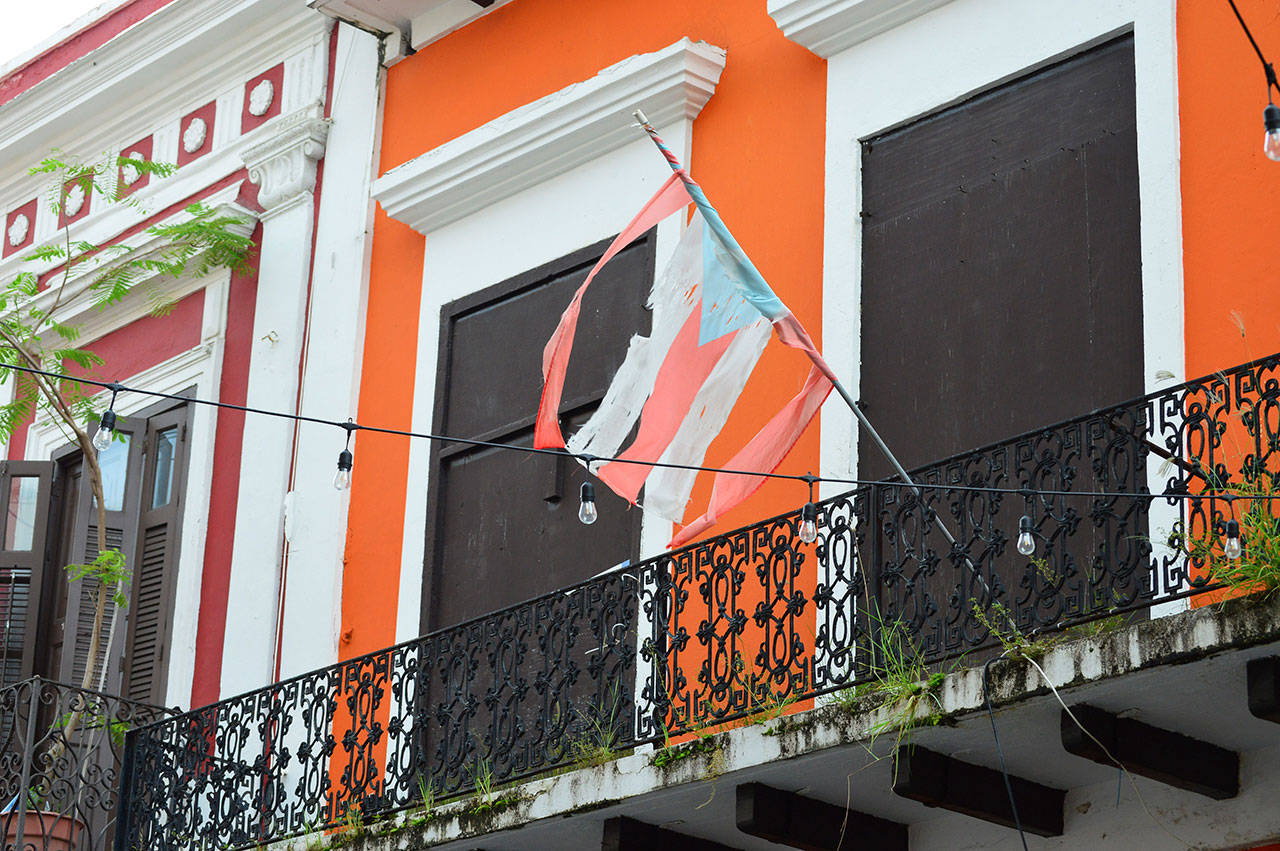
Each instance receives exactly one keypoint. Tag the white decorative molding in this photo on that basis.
(551, 135)
(164, 66)
(18, 229)
(73, 202)
(178, 372)
(129, 173)
(194, 135)
(284, 164)
(829, 26)
(261, 97)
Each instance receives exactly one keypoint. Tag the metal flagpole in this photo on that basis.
(696, 192)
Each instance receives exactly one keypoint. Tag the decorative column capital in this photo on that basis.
(284, 163)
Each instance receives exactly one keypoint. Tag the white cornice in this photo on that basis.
(106, 222)
(389, 27)
(550, 136)
(829, 26)
(415, 22)
(180, 56)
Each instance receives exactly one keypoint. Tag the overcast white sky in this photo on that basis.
(27, 24)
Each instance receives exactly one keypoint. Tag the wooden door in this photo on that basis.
(1002, 293)
(502, 526)
(144, 472)
(74, 603)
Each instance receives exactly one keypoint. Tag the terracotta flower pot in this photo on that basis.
(43, 831)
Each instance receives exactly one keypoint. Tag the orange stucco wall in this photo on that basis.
(758, 149)
(375, 529)
(1230, 214)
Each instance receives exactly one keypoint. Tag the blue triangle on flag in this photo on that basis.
(724, 310)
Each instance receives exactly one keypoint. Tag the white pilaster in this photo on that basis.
(284, 167)
(316, 533)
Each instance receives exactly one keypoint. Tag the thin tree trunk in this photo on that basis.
(51, 393)
(104, 589)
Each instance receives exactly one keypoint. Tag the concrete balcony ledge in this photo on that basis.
(1185, 674)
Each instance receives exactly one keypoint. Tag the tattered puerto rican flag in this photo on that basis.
(712, 317)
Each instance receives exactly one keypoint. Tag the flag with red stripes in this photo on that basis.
(712, 315)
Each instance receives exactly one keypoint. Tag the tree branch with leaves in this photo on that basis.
(38, 331)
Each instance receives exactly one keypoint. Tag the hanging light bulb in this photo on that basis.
(1231, 549)
(106, 430)
(342, 479)
(809, 523)
(1026, 541)
(587, 511)
(1271, 142)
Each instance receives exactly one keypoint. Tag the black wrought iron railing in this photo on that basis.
(61, 750)
(725, 627)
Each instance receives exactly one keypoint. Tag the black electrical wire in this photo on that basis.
(1267, 67)
(1004, 771)
(349, 426)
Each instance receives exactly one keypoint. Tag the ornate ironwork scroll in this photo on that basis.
(744, 623)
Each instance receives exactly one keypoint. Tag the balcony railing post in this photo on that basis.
(661, 623)
(874, 581)
(123, 822)
(28, 754)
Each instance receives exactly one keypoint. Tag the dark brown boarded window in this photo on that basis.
(501, 526)
(1001, 285)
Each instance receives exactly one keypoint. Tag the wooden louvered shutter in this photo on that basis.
(121, 462)
(155, 560)
(25, 506)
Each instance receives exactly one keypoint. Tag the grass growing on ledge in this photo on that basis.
(598, 740)
(1014, 642)
(1257, 570)
(493, 804)
(767, 707)
(903, 681)
(674, 754)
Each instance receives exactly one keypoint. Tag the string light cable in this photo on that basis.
(1271, 114)
(995, 734)
(346, 459)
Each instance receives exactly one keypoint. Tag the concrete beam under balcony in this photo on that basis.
(1185, 673)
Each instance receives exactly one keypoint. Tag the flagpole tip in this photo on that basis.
(640, 117)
